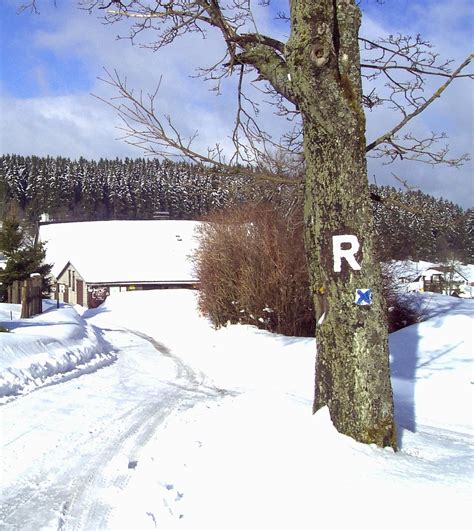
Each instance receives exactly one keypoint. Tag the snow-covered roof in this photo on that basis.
(408, 268)
(123, 251)
(430, 272)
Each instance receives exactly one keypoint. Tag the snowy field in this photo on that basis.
(139, 415)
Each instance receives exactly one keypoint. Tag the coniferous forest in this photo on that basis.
(410, 224)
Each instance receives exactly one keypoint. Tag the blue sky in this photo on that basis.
(29, 69)
(49, 64)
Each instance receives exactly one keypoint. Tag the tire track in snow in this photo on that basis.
(197, 378)
(62, 483)
(83, 510)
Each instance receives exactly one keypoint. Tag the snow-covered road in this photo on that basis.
(138, 438)
(84, 441)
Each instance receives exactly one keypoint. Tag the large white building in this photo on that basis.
(94, 258)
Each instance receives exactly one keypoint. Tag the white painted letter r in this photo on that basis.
(349, 254)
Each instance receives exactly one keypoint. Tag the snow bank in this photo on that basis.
(54, 345)
(431, 366)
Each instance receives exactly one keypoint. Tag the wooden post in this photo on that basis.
(36, 295)
(14, 292)
(24, 300)
(31, 301)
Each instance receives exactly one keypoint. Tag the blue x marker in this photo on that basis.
(363, 297)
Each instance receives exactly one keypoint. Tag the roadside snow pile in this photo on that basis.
(55, 345)
(429, 305)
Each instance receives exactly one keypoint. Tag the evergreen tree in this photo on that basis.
(469, 257)
(11, 236)
(23, 257)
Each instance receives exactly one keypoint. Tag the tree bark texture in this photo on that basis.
(352, 367)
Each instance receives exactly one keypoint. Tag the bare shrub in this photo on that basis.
(252, 269)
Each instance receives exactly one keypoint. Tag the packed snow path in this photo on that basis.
(84, 440)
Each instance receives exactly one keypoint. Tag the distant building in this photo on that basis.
(439, 279)
(97, 258)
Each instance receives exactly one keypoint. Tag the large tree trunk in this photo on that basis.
(352, 368)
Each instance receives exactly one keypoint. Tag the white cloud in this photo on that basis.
(77, 124)
(59, 126)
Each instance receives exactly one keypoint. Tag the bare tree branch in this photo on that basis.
(257, 38)
(403, 61)
(418, 149)
(144, 128)
(389, 136)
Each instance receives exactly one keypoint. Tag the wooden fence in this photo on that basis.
(28, 294)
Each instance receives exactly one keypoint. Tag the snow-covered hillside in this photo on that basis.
(240, 447)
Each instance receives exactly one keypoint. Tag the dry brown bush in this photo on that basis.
(252, 269)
